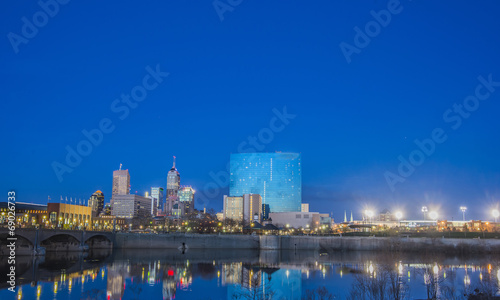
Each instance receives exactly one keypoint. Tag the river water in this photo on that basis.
(252, 274)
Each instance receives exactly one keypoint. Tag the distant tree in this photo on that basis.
(211, 212)
(321, 293)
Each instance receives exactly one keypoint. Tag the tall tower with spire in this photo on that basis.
(173, 185)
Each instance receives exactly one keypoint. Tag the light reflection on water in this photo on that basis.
(251, 275)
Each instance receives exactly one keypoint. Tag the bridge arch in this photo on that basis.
(60, 242)
(99, 241)
(24, 245)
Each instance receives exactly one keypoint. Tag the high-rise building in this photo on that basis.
(173, 184)
(131, 206)
(96, 202)
(233, 208)
(121, 182)
(154, 204)
(186, 196)
(157, 194)
(243, 208)
(277, 177)
(252, 206)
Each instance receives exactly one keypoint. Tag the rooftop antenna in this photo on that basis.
(120, 167)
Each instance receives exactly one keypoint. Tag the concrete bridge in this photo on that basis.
(37, 241)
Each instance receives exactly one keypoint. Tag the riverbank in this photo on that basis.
(316, 243)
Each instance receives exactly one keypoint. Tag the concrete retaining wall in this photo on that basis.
(316, 243)
(193, 241)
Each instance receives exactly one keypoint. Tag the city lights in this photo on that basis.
(425, 210)
(433, 215)
(463, 209)
(495, 214)
(369, 214)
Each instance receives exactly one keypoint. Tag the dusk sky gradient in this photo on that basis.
(352, 120)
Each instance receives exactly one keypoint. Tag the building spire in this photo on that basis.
(351, 217)
(345, 216)
(174, 163)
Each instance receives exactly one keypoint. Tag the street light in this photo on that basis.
(463, 209)
(425, 210)
(495, 214)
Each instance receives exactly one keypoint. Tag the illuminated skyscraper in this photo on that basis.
(173, 184)
(96, 201)
(277, 177)
(186, 195)
(157, 194)
(121, 182)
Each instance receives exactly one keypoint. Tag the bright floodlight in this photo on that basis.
(425, 209)
(369, 213)
(399, 215)
(463, 209)
(495, 213)
(433, 215)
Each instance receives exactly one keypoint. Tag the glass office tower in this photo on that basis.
(277, 177)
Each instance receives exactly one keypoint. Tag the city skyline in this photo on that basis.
(406, 119)
(398, 212)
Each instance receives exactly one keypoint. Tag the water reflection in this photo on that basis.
(253, 275)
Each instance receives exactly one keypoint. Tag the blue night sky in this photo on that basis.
(352, 120)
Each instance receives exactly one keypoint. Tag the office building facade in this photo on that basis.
(121, 182)
(252, 207)
(157, 194)
(186, 196)
(242, 208)
(131, 206)
(277, 177)
(233, 208)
